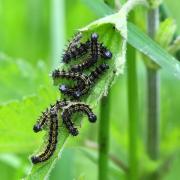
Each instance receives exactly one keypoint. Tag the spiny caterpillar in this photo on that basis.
(94, 75)
(91, 50)
(82, 86)
(84, 81)
(75, 49)
(44, 118)
(52, 118)
(91, 79)
(42, 121)
(97, 50)
(74, 42)
(70, 110)
(52, 141)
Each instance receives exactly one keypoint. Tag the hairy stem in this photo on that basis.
(104, 138)
(132, 109)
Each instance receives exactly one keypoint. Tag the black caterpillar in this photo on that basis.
(52, 141)
(52, 119)
(74, 42)
(91, 79)
(42, 121)
(82, 86)
(97, 50)
(68, 112)
(44, 118)
(75, 50)
(94, 75)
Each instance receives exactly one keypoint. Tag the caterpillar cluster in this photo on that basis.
(50, 118)
(89, 52)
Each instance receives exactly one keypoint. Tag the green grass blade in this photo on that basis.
(150, 48)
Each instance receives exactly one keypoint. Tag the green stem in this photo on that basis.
(132, 110)
(153, 114)
(153, 21)
(57, 30)
(104, 138)
(153, 95)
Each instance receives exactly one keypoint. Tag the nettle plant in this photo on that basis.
(93, 60)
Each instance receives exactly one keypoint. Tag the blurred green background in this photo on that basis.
(31, 41)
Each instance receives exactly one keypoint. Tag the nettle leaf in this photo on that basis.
(110, 29)
(17, 119)
(23, 100)
(19, 78)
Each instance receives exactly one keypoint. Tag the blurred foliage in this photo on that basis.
(165, 33)
(26, 90)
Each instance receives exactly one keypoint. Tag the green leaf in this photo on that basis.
(19, 78)
(109, 30)
(23, 100)
(17, 119)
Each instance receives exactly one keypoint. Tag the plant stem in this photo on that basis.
(153, 96)
(153, 114)
(153, 21)
(132, 109)
(104, 138)
(57, 30)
